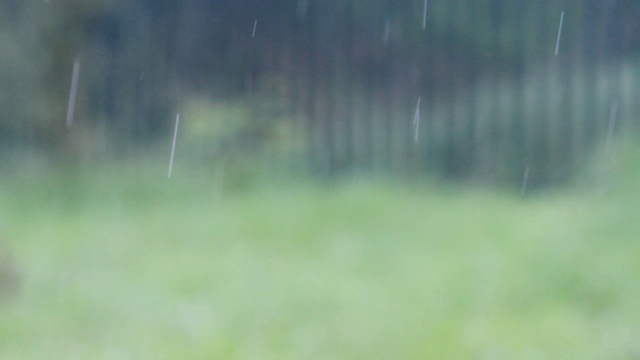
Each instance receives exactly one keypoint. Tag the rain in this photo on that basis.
(611, 127)
(559, 33)
(525, 180)
(73, 92)
(424, 15)
(332, 179)
(173, 145)
(416, 119)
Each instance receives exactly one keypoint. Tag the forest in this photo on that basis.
(324, 87)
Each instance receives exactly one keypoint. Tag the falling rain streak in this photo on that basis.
(424, 15)
(559, 32)
(387, 29)
(255, 24)
(610, 128)
(302, 9)
(525, 180)
(71, 106)
(173, 145)
(416, 119)
(218, 181)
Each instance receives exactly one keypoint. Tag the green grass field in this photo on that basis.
(119, 262)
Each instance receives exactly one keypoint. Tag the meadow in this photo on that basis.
(119, 262)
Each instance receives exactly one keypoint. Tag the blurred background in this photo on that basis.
(348, 179)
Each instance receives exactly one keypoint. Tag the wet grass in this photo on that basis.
(119, 262)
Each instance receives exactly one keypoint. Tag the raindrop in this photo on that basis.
(173, 145)
(559, 32)
(613, 111)
(424, 15)
(302, 9)
(387, 30)
(73, 92)
(416, 118)
(525, 180)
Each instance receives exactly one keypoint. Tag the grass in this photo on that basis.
(119, 262)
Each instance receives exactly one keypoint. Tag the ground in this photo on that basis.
(119, 262)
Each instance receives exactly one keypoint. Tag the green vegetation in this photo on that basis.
(119, 262)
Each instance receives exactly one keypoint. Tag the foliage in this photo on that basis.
(41, 42)
(243, 136)
(344, 73)
(552, 120)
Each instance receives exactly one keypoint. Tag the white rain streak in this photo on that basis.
(173, 145)
(424, 15)
(525, 180)
(255, 24)
(559, 32)
(302, 9)
(387, 30)
(610, 128)
(71, 106)
(218, 181)
(416, 119)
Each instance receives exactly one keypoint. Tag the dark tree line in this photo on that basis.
(352, 71)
